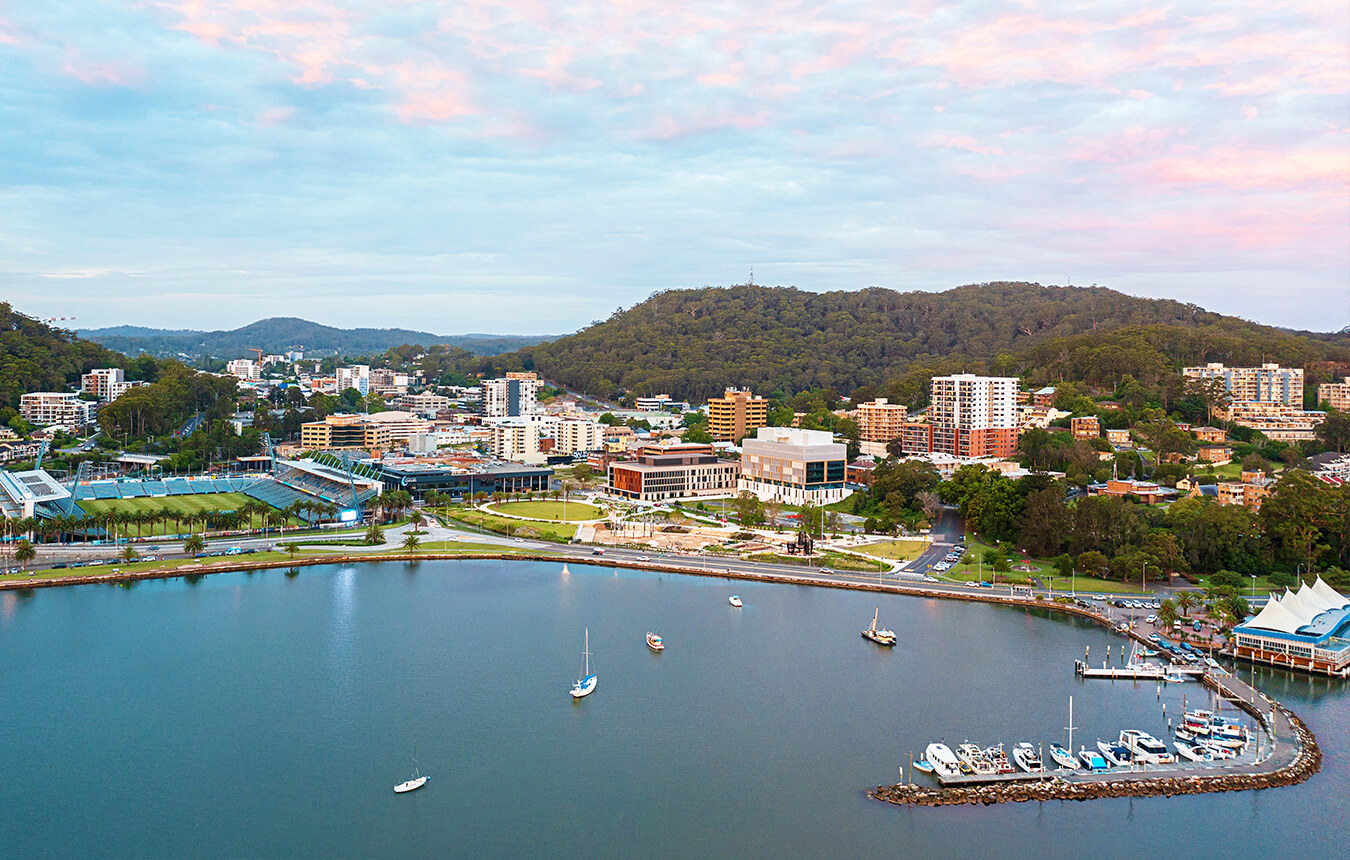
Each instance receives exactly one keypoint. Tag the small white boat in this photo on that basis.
(942, 759)
(585, 685)
(1185, 734)
(1024, 754)
(655, 642)
(922, 766)
(735, 600)
(1175, 678)
(1063, 757)
(413, 782)
(1191, 752)
(975, 758)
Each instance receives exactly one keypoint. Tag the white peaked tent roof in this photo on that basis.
(1309, 597)
(1329, 594)
(1306, 611)
(1274, 616)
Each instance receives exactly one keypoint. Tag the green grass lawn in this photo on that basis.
(899, 550)
(196, 503)
(1090, 585)
(66, 573)
(832, 560)
(506, 525)
(555, 511)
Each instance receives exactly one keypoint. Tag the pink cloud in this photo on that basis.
(947, 140)
(115, 73)
(275, 116)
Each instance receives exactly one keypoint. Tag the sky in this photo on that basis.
(528, 166)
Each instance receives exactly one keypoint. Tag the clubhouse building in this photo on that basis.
(1305, 630)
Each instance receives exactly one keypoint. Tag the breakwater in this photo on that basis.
(1305, 763)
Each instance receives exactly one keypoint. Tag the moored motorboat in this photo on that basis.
(1118, 754)
(1026, 757)
(654, 642)
(922, 766)
(735, 600)
(1185, 734)
(999, 759)
(942, 760)
(975, 759)
(882, 636)
(1217, 752)
(1191, 751)
(1145, 748)
(1063, 757)
(1092, 761)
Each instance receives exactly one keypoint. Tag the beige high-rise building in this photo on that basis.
(736, 414)
(1335, 394)
(881, 421)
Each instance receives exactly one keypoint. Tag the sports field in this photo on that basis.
(553, 511)
(182, 505)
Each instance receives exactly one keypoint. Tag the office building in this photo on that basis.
(736, 414)
(515, 396)
(244, 369)
(672, 472)
(794, 466)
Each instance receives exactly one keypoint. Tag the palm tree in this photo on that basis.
(1186, 600)
(1167, 613)
(291, 549)
(24, 552)
(128, 554)
(374, 534)
(417, 519)
(411, 542)
(165, 514)
(194, 544)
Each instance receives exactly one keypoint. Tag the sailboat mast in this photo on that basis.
(1070, 726)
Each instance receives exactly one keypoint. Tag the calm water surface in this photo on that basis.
(270, 716)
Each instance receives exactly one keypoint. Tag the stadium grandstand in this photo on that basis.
(345, 487)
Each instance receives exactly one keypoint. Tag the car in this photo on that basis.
(826, 570)
(61, 564)
(930, 579)
(520, 540)
(1151, 619)
(644, 558)
(597, 552)
(200, 555)
(986, 584)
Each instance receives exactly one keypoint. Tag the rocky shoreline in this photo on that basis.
(1307, 762)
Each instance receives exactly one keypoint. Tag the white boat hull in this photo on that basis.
(734, 601)
(584, 687)
(411, 785)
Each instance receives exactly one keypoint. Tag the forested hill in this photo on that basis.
(36, 357)
(278, 334)
(693, 343)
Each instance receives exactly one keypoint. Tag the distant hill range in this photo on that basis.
(691, 343)
(279, 334)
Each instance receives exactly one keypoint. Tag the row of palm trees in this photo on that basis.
(1225, 608)
(116, 523)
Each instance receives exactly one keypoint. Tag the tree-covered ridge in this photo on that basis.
(278, 334)
(693, 343)
(37, 357)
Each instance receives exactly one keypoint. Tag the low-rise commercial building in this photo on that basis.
(794, 466)
(1307, 630)
(677, 471)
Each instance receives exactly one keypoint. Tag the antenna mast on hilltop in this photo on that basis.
(751, 282)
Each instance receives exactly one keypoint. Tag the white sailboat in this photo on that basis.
(585, 685)
(413, 782)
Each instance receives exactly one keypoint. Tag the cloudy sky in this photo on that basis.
(526, 166)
